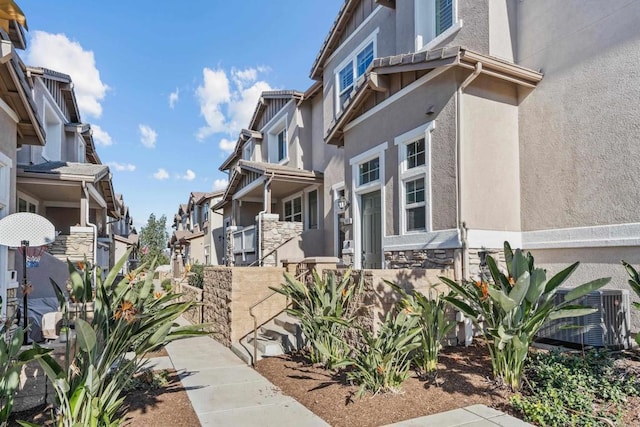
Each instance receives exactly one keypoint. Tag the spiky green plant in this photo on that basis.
(315, 305)
(513, 308)
(383, 363)
(634, 282)
(434, 325)
(128, 316)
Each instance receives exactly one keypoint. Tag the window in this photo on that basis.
(27, 205)
(353, 68)
(415, 154)
(312, 215)
(247, 151)
(369, 171)
(432, 18)
(414, 178)
(282, 145)
(415, 205)
(293, 210)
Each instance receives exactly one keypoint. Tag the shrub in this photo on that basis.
(127, 316)
(634, 282)
(572, 390)
(317, 306)
(384, 362)
(166, 285)
(196, 276)
(434, 326)
(513, 308)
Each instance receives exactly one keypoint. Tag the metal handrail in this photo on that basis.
(259, 261)
(255, 319)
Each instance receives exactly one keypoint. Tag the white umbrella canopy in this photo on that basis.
(25, 226)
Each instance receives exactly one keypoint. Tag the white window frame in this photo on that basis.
(248, 150)
(272, 141)
(28, 199)
(52, 150)
(420, 43)
(307, 209)
(358, 190)
(5, 205)
(352, 59)
(335, 193)
(299, 195)
(405, 174)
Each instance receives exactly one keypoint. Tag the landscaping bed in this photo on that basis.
(464, 378)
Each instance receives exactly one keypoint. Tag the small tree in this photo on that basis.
(153, 240)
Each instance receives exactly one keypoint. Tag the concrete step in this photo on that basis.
(244, 352)
(287, 340)
(288, 322)
(266, 345)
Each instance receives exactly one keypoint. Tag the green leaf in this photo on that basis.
(520, 288)
(86, 335)
(51, 367)
(508, 256)
(506, 303)
(27, 424)
(576, 311)
(560, 277)
(33, 353)
(62, 300)
(584, 289)
(536, 285)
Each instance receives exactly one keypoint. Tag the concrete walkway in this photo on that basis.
(224, 391)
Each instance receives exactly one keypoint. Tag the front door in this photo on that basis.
(371, 230)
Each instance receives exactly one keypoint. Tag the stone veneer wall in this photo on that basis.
(74, 246)
(191, 293)
(427, 258)
(478, 271)
(216, 297)
(274, 233)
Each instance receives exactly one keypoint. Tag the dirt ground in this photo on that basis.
(464, 379)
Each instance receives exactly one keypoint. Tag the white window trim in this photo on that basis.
(405, 175)
(335, 189)
(272, 140)
(250, 144)
(358, 190)
(455, 27)
(5, 204)
(354, 34)
(351, 58)
(306, 208)
(28, 199)
(299, 194)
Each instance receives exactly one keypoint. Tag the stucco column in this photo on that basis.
(267, 196)
(84, 206)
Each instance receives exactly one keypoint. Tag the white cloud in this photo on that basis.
(122, 167)
(57, 52)
(161, 174)
(220, 184)
(174, 97)
(148, 136)
(227, 105)
(226, 145)
(100, 136)
(189, 175)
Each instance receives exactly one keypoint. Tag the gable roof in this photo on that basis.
(442, 58)
(66, 88)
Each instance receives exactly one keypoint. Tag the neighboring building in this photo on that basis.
(198, 232)
(20, 126)
(65, 180)
(274, 204)
(124, 238)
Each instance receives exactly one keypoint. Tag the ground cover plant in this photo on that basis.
(510, 309)
(565, 389)
(196, 275)
(128, 317)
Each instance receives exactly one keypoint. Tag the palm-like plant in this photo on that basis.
(513, 308)
(634, 282)
(315, 306)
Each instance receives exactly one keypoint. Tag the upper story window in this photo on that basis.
(293, 210)
(247, 151)
(352, 68)
(415, 154)
(206, 211)
(53, 126)
(369, 171)
(278, 146)
(27, 204)
(432, 19)
(312, 205)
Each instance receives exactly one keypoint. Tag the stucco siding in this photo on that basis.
(579, 127)
(491, 172)
(502, 29)
(402, 116)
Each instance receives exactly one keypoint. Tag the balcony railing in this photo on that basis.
(244, 241)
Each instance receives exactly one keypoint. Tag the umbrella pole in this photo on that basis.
(25, 245)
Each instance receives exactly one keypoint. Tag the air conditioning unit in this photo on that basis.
(609, 326)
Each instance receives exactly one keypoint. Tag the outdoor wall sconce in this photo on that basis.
(342, 203)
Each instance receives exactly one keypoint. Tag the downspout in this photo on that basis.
(95, 232)
(260, 214)
(462, 228)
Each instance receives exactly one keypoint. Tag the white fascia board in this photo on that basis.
(442, 239)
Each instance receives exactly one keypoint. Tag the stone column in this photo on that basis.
(230, 256)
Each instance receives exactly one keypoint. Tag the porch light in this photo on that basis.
(342, 203)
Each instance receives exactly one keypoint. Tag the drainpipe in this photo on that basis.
(95, 232)
(260, 214)
(462, 229)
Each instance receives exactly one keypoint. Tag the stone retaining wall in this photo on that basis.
(216, 297)
(427, 259)
(274, 234)
(191, 293)
(74, 246)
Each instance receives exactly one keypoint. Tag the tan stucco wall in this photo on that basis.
(594, 263)
(579, 127)
(196, 250)
(502, 28)
(491, 172)
(402, 116)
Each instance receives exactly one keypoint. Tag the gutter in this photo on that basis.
(460, 224)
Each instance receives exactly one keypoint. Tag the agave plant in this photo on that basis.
(434, 325)
(514, 307)
(128, 317)
(315, 306)
(383, 363)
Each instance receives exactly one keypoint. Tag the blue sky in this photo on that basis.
(166, 88)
